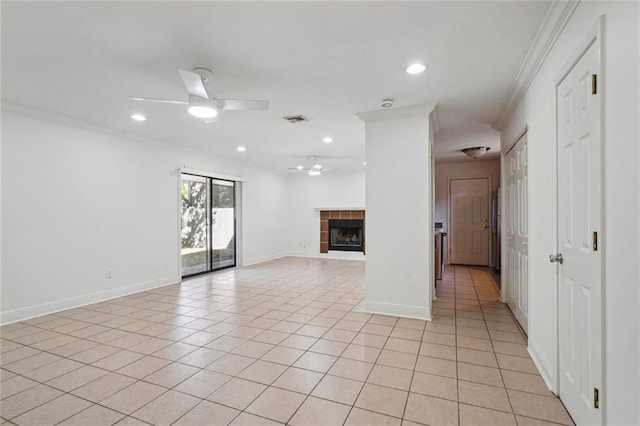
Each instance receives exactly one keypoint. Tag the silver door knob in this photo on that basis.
(556, 258)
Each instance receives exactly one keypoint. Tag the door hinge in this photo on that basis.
(594, 84)
(596, 398)
(594, 241)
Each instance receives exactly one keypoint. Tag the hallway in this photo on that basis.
(275, 343)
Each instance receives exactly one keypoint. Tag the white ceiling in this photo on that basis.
(325, 60)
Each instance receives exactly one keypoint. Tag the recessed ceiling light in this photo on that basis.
(138, 117)
(313, 172)
(416, 68)
(241, 148)
(327, 140)
(300, 167)
(364, 163)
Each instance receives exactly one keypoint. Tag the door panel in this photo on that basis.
(207, 224)
(194, 192)
(223, 224)
(579, 316)
(469, 201)
(517, 285)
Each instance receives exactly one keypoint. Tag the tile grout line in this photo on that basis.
(368, 375)
(493, 348)
(413, 372)
(455, 329)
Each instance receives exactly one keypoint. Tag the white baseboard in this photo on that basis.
(544, 366)
(405, 311)
(256, 260)
(28, 312)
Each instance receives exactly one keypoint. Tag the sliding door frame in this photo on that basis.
(209, 249)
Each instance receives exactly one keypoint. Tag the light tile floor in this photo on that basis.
(280, 342)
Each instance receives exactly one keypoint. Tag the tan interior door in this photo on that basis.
(469, 222)
(579, 206)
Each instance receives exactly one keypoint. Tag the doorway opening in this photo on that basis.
(208, 224)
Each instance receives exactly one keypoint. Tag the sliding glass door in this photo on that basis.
(207, 224)
(223, 224)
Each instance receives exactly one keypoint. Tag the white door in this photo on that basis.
(580, 283)
(517, 234)
(469, 233)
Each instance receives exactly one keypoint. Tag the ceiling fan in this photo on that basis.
(314, 169)
(203, 105)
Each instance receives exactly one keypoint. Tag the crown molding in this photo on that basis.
(559, 13)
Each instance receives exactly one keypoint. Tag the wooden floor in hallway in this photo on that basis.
(282, 342)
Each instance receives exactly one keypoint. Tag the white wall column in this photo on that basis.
(399, 219)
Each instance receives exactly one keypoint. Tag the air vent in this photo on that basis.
(296, 118)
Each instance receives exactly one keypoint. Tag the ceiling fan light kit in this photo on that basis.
(314, 168)
(200, 103)
(476, 151)
(202, 109)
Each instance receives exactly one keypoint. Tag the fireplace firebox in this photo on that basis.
(346, 234)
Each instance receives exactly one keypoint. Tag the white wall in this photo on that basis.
(341, 190)
(619, 82)
(467, 169)
(77, 201)
(399, 220)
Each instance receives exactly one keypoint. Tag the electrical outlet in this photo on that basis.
(107, 274)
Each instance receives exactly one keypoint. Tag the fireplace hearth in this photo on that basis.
(346, 234)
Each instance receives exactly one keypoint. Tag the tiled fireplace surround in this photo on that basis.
(325, 215)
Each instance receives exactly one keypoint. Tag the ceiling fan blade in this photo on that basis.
(243, 105)
(165, 101)
(193, 83)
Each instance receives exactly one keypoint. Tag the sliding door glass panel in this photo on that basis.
(195, 231)
(223, 227)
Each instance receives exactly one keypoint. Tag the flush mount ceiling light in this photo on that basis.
(416, 68)
(241, 148)
(476, 151)
(201, 108)
(138, 117)
(327, 140)
(314, 172)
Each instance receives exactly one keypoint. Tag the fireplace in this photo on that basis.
(346, 235)
(345, 238)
